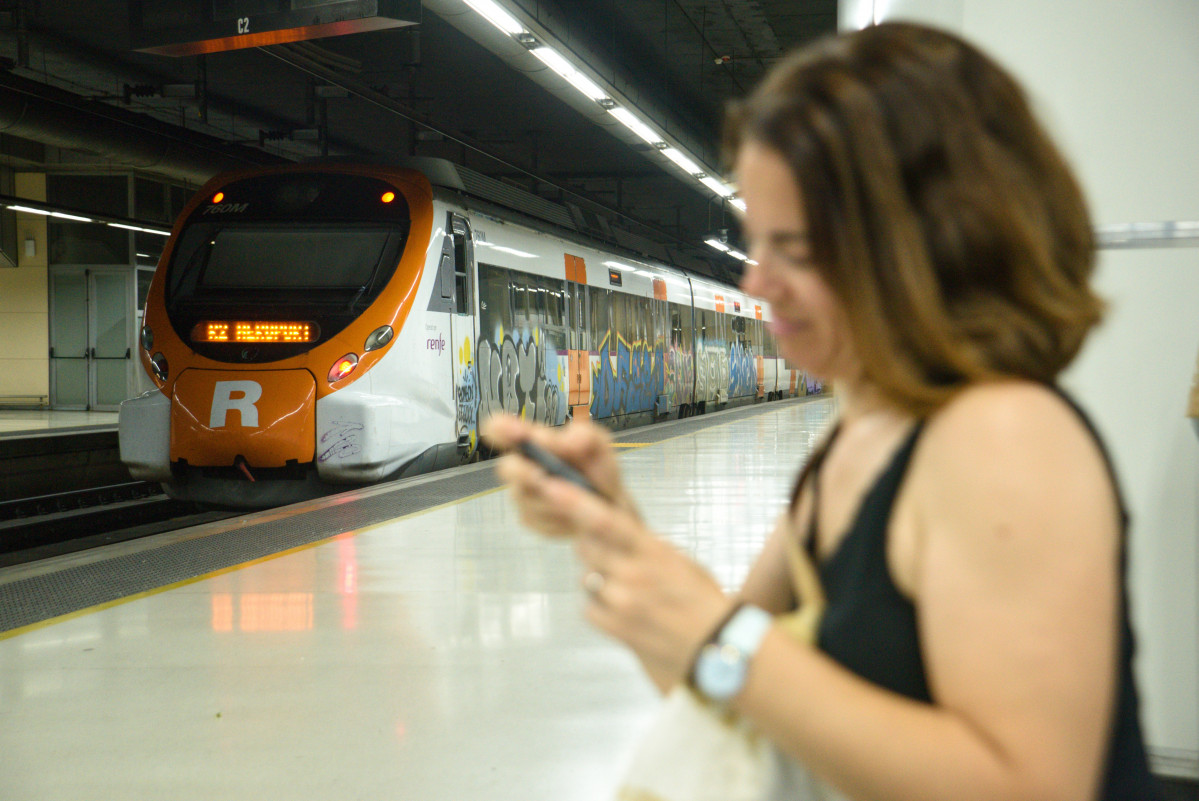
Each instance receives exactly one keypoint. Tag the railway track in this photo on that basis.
(48, 525)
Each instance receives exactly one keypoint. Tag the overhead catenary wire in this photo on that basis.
(299, 58)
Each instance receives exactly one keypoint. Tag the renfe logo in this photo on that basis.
(223, 400)
(435, 344)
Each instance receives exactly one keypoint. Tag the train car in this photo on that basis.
(321, 325)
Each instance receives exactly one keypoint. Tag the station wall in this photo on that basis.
(1115, 84)
(24, 310)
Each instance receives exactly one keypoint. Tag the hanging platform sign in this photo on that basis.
(193, 27)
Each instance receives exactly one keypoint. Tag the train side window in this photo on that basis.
(641, 310)
(543, 309)
(443, 271)
(520, 302)
(620, 322)
(461, 275)
(707, 327)
(495, 308)
(556, 305)
(577, 314)
(601, 325)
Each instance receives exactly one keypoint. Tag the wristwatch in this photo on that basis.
(723, 664)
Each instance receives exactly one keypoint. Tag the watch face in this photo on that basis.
(719, 672)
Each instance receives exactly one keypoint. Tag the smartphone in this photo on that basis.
(555, 466)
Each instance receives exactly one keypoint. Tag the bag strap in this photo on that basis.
(803, 624)
(805, 580)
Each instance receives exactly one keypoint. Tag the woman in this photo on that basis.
(924, 247)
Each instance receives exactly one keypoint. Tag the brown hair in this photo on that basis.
(938, 210)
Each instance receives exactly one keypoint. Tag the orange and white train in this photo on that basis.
(316, 326)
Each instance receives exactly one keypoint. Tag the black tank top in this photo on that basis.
(871, 629)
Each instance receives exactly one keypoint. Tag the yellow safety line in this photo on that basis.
(630, 444)
(230, 569)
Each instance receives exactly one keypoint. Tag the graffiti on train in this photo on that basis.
(521, 375)
(629, 382)
(712, 368)
(466, 392)
(679, 379)
(743, 370)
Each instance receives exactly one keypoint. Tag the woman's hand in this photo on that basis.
(582, 444)
(641, 590)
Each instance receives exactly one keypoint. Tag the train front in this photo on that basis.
(278, 289)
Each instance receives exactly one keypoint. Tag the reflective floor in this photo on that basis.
(17, 420)
(438, 656)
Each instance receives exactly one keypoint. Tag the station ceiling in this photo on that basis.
(450, 86)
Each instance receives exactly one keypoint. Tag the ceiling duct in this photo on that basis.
(46, 114)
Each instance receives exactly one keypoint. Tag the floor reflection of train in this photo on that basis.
(317, 325)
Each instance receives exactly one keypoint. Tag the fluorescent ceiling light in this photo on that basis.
(497, 16)
(555, 61)
(30, 210)
(678, 158)
(630, 121)
(74, 217)
(736, 254)
(716, 243)
(718, 186)
(738, 203)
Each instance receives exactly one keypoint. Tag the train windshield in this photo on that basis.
(295, 258)
(312, 247)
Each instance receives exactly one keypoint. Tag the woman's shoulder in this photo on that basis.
(1014, 461)
(1009, 432)
(1008, 414)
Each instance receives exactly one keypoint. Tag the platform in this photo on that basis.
(46, 452)
(24, 423)
(408, 641)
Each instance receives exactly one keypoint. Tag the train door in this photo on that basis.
(660, 332)
(464, 333)
(577, 321)
(91, 332)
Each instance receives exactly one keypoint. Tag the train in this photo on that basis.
(315, 326)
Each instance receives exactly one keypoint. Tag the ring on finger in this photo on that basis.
(593, 582)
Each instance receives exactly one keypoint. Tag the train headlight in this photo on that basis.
(158, 363)
(378, 338)
(147, 338)
(342, 367)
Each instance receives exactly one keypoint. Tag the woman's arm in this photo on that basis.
(768, 583)
(1017, 587)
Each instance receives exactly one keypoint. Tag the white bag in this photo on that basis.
(695, 751)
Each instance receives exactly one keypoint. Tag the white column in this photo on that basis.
(24, 307)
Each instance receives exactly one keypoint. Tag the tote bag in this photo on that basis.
(696, 751)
